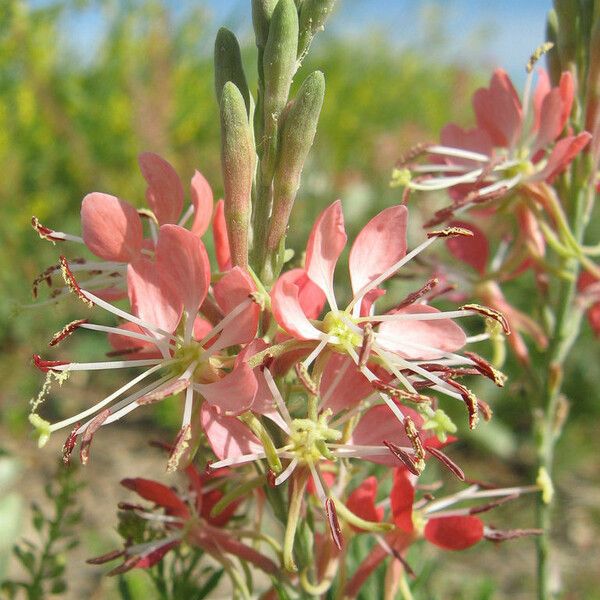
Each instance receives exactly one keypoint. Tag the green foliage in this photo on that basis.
(44, 561)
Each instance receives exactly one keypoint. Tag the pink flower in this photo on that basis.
(112, 228)
(589, 292)
(474, 251)
(184, 518)
(166, 295)
(432, 519)
(405, 339)
(507, 149)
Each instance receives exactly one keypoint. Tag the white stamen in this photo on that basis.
(278, 398)
(118, 331)
(389, 272)
(186, 215)
(313, 355)
(286, 472)
(125, 315)
(104, 402)
(237, 460)
(451, 314)
(318, 483)
(111, 364)
(458, 153)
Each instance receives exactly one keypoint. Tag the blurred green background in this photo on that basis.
(73, 119)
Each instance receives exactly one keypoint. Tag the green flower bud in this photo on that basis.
(237, 163)
(592, 112)
(296, 137)
(553, 57)
(228, 65)
(279, 59)
(566, 11)
(262, 10)
(313, 15)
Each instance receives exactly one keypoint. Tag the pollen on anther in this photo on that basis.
(72, 283)
(66, 331)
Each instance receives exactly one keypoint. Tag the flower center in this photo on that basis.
(339, 325)
(206, 370)
(309, 438)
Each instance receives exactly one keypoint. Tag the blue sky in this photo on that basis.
(477, 33)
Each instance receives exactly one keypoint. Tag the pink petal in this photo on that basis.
(220, 238)
(474, 140)
(471, 250)
(152, 296)
(551, 123)
(164, 193)
(201, 328)
(454, 533)
(234, 393)
(230, 291)
(441, 334)
(152, 558)
(228, 436)
(287, 310)
(123, 343)
(566, 86)
(181, 254)
(157, 493)
(111, 228)
(402, 497)
(498, 110)
(379, 424)
(380, 244)
(312, 300)
(345, 391)
(202, 199)
(565, 150)
(362, 501)
(542, 88)
(325, 244)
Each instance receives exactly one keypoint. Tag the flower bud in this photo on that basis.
(592, 116)
(553, 57)
(228, 65)
(237, 163)
(262, 10)
(313, 15)
(297, 134)
(566, 11)
(279, 59)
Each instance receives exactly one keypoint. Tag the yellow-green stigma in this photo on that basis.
(309, 438)
(336, 325)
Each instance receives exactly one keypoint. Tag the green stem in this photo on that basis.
(561, 341)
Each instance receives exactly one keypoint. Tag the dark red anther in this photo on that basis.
(475, 510)
(412, 153)
(403, 456)
(365, 348)
(44, 232)
(450, 232)
(447, 462)
(499, 535)
(72, 282)
(88, 435)
(404, 562)
(470, 400)
(129, 564)
(130, 506)
(486, 311)
(484, 409)
(271, 476)
(305, 379)
(414, 296)
(267, 361)
(47, 365)
(334, 524)
(69, 444)
(104, 558)
(66, 331)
